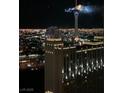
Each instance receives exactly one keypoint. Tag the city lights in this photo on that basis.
(70, 69)
(67, 83)
(66, 77)
(79, 7)
(29, 65)
(73, 75)
(48, 92)
(67, 56)
(62, 71)
(82, 9)
(74, 58)
(79, 73)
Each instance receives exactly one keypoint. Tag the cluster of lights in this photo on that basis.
(98, 64)
(77, 8)
(48, 92)
(82, 9)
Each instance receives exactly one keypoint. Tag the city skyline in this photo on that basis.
(59, 60)
(42, 14)
(65, 53)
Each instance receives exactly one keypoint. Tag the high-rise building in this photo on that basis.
(65, 64)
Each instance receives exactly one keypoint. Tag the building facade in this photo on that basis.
(65, 64)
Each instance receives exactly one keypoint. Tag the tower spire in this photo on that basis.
(75, 3)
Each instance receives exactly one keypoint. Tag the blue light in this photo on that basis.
(87, 9)
(69, 10)
(84, 9)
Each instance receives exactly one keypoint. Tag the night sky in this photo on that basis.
(45, 13)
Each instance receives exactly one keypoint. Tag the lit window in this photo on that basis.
(32, 69)
(73, 75)
(90, 69)
(66, 55)
(87, 64)
(85, 52)
(79, 73)
(62, 70)
(29, 65)
(85, 76)
(97, 61)
(66, 77)
(67, 83)
(48, 92)
(76, 67)
(92, 62)
(94, 68)
(81, 66)
(43, 61)
(69, 68)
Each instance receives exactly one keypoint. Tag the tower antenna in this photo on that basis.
(75, 3)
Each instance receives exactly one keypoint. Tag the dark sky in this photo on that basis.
(45, 13)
